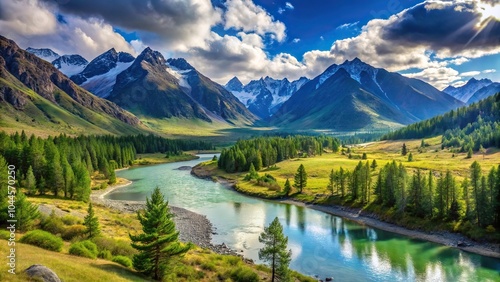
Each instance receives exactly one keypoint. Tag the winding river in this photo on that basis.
(321, 244)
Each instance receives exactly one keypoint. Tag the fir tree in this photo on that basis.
(300, 178)
(91, 223)
(364, 156)
(374, 164)
(30, 182)
(287, 188)
(275, 251)
(112, 177)
(469, 153)
(410, 157)
(404, 150)
(26, 212)
(331, 181)
(159, 241)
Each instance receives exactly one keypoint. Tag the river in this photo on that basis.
(321, 244)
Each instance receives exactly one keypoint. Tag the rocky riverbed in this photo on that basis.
(193, 227)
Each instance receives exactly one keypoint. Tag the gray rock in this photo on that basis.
(42, 272)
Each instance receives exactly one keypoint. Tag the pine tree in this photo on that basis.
(331, 181)
(287, 188)
(159, 241)
(410, 157)
(374, 165)
(404, 150)
(112, 177)
(30, 182)
(91, 223)
(275, 251)
(469, 153)
(364, 156)
(475, 180)
(26, 212)
(300, 178)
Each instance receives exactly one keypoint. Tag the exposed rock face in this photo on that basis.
(42, 273)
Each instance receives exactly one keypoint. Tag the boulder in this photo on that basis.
(42, 273)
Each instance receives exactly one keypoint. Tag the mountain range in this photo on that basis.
(474, 90)
(346, 97)
(67, 64)
(265, 96)
(355, 95)
(35, 95)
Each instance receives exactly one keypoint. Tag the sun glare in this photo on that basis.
(489, 12)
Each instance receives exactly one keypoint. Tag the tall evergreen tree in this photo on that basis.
(275, 251)
(475, 180)
(30, 182)
(159, 240)
(91, 223)
(300, 178)
(404, 150)
(26, 212)
(331, 181)
(287, 188)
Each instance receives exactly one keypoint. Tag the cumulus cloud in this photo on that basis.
(35, 24)
(244, 15)
(439, 77)
(166, 23)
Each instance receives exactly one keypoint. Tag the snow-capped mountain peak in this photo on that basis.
(44, 53)
(70, 64)
(354, 68)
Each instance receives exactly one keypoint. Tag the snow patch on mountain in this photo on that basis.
(465, 92)
(181, 75)
(102, 85)
(354, 68)
(70, 64)
(44, 53)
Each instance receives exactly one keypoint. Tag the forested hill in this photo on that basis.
(468, 127)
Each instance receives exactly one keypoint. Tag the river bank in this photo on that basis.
(446, 238)
(192, 227)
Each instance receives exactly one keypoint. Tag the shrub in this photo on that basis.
(71, 220)
(125, 261)
(105, 254)
(243, 274)
(490, 229)
(84, 249)
(43, 239)
(73, 231)
(53, 224)
(116, 247)
(4, 234)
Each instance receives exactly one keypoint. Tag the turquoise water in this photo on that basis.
(321, 244)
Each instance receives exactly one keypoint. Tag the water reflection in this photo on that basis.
(321, 244)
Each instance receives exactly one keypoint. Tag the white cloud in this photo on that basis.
(87, 37)
(321, 37)
(458, 61)
(348, 25)
(281, 10)
(470, 73)
(289, 5)
(459, 83)
(251, 39)
(244, 15)
(439, 77)
(489, 71)
(296, 40)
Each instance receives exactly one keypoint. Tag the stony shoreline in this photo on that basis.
(450, 239)
(193, 227)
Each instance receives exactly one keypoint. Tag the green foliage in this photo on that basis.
(466, 128)
(43, 239)
(30, 182)
(159, 241)
(287, 188)
(364, 157)
(84, 249)
(243, 274)
(275, 251)
(125, 261)
(300, 178)
(91, 223)
(26, 213)
(252, 174)
(410, 157)
(105, 254)
(4, 234)
(53, 224)
(74, 231)
(404, 150)
(116, 247)
(266, 151)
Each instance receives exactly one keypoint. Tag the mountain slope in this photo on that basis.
(465, 92)
(389, 99)
(263, 97)
(44, 53)
(212, 96)
(33, 93)
(70, 64)
(484, 92)
(99, 76)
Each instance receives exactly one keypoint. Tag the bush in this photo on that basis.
(116, 247)
(53, 224)
(243, 274)
(43, 239)
(71, 220)
(84, 249)
(4, 234)
(490, 229)
(105, 254)
(73, 231)
(125, 261)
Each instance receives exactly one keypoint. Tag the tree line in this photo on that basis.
(63, 165)
(266, 151)
(467, 127)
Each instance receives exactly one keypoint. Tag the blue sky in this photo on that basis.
(442, 42)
